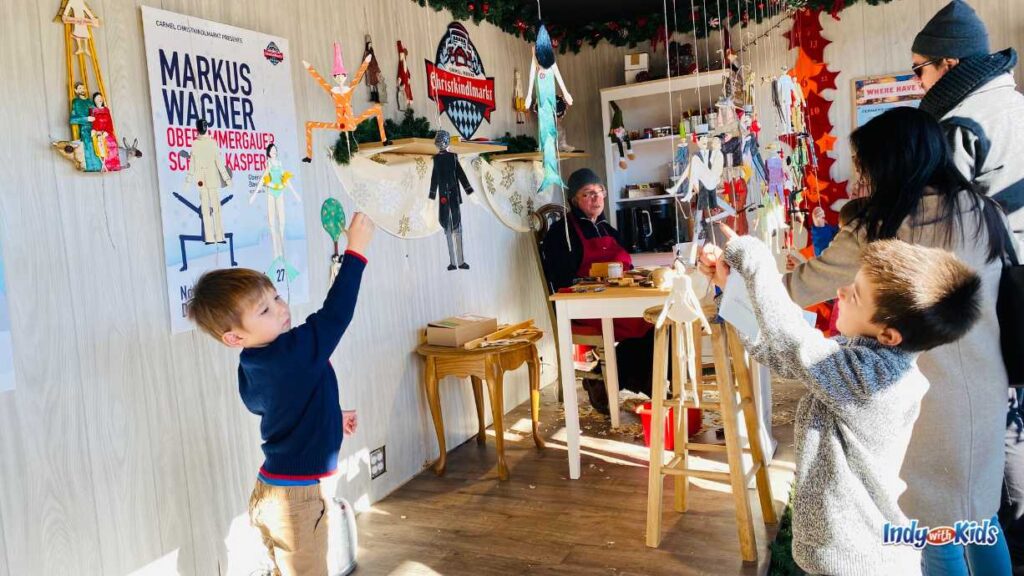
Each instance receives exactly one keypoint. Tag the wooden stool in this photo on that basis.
(732, 376)
(482, 364)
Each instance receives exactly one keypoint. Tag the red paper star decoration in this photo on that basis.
(806, 33)
(826, 79)
(804, 71)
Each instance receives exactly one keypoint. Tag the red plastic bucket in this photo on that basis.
(693, 424)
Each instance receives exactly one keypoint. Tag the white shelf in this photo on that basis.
(652, 140)
(647, 199)
(673, 84)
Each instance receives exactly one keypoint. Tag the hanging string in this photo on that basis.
(538, 11)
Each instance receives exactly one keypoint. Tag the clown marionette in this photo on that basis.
(342, 96)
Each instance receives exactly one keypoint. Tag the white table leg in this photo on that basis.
(567, 373)
(611, 373)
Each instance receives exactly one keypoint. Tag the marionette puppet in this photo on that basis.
(518, 100)
(619, 136)
(374, 76)
(80, 16)
(103, 137)
(788, 96)
(275, 180)
(332, 218)
(445, 180)
(341, 93)
(404, 79)
(544, 71)
(206, 170)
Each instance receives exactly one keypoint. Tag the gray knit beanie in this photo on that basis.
(581, 178)
(954, 32)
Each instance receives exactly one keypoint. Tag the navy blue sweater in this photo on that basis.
(291, 385)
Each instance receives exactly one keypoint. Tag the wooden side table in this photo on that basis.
(482, 364)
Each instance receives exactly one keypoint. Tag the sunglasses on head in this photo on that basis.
(918, 70)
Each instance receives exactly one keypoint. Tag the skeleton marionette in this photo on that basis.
(544, 71)
(404, 79)
(445, 180)
(619, 136)
(275, 180)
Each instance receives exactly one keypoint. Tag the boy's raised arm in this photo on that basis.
(787, 343)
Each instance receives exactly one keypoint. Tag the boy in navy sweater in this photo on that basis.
(286, 378)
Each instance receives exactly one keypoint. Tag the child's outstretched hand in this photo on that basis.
(360, 231)
(349, 422)
(712, 261)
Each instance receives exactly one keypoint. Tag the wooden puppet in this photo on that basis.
(275, 180)
(789, 97)
(544, 71)
(683, 305)
(620, 136)
(374, 77)
(80, 16)
(518, 100)
(206, 170)
(104, 139)
(445, 180)
(404, 79)
(81, 116)
(345, 119)
(332, 218)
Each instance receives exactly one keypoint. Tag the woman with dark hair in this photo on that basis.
(954, 464)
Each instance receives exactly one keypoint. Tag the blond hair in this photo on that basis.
(220, 297)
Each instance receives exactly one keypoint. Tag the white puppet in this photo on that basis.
(275, 179)
(788, 97)
(683, 305)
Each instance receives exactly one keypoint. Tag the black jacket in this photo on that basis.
(561, 264)
(447, 176)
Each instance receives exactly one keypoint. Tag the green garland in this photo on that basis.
(519, 18)
(411, 126)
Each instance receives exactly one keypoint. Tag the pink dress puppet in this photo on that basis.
(104, 139)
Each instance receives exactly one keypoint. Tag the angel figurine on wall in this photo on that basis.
(275, 179)
(544, 71)
(341, 94)
(80, 16)
(444, 181)
(404, 79)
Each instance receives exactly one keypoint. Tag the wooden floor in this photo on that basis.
(540, 522)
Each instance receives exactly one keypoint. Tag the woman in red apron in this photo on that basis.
(591, 239)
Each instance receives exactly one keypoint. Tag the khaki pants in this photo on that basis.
(293, 523)
(209, 203)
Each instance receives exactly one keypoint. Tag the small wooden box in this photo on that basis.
(458, 330)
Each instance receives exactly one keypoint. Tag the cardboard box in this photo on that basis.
(458, 330)
(634, 64)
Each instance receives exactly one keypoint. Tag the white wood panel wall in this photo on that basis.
(867, 40)
(124, 447)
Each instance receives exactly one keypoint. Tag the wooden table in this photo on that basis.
(482, 364)
(607, 305)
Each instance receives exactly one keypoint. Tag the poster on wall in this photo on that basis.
(876, 94)
(6, 348)
(457, 83)
(227, 155)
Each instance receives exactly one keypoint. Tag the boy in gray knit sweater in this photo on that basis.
(864, 389)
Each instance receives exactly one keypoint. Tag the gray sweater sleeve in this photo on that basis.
(838, 375)
(818, 279)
